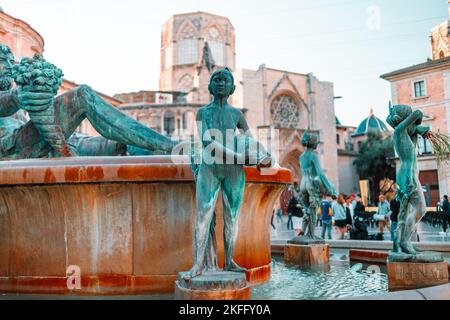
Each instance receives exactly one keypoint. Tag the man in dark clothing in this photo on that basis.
(293, 209)
(395, 209)
(290, 224)
(446, 208)
(360, 230)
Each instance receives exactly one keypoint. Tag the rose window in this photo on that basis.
(285, 112)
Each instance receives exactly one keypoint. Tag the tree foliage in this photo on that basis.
(375, 160)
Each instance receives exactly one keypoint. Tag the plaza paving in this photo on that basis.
(426, 232)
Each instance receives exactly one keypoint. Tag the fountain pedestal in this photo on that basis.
(407, 272)
(213, 285)
(306, 252)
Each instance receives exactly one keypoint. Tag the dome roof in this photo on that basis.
(338, 123)
(371, 123)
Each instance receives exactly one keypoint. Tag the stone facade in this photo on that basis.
(426, 87)
(281, 105)
(175, 119)
(440, 39)
(23, 40)
(348, 176)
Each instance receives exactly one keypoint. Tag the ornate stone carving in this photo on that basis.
(285, 112)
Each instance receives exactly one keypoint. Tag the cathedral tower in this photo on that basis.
(440, 39)
(192, 46)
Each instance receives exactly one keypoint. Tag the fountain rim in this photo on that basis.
(114, 169)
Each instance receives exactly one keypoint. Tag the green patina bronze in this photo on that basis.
(53, 120)
(313, 186)
(407, 128)
(221, 167)
(38, 76)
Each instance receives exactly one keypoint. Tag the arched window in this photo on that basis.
(285, 111)
(216, 45)
(185, 83)
(187, 46)
(169, 122)
(441, 55)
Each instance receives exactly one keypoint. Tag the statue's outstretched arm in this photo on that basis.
(422, 130)
(9, 103)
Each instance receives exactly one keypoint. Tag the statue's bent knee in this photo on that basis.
(85, 90)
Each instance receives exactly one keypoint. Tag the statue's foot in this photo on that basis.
(407, 247)
(396, 248)
(194, 272)
(233, 266)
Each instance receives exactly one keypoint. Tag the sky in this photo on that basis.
(113, 45)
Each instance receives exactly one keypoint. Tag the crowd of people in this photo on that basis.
(348, 215)
(442, 216)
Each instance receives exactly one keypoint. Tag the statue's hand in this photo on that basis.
(265, 162)
(34, 101)
(419, 115)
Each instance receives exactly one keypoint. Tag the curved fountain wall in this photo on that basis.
(127, 222)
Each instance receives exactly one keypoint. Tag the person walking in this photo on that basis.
(446, 212)
(319, 218)
(290, 225)
(359, 208)
(339, 215)
(352, 204)
(395, 209)
(327, 217)
(295, 213)
(348, 213)
(279, 216)
(383, 212)
(293, 189)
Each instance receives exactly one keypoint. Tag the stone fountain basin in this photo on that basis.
(126, 222)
